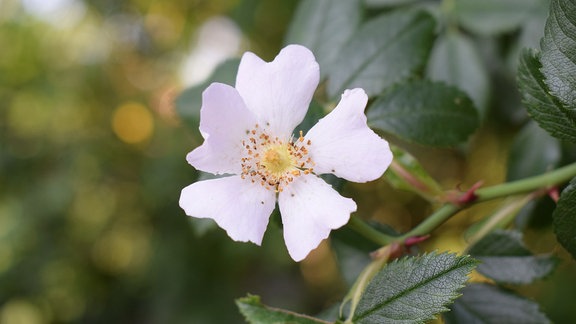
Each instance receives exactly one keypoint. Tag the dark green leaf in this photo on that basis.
(489, 17)
(188, 103)
(456, 61)
(351, 261)
(428, 113)
(201, 226)
(314, 113)
(483, 303)
(385, 50)
(559, 53)
(564, 218)
(536, 214)
(505, 259)
(414, 289)
(545, 109)
(257, 313)
(330, 314)
(533, 152)
(346, 235)
(324, 26)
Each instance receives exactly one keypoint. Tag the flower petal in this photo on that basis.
(224, 121)
(310, 209)
(238, 206)
(279, 92)
(342, 143)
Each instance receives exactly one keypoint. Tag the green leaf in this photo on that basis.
(505, 259)
(499, 218)
(201, 226)
(385, 50)
(559, 53)
(257, 313)
(456, 61)
(545, 109)
(483, 303)
(313, 115)
(351, 261)
(490, 17)
(414, 289)
(346, 235)
(188, 103)
(536, 214)
(423, 183)
(428, 113)
(324, 26)
(533, 152)
(564, 218)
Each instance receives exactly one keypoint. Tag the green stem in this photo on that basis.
(498, 191)
(448, 210)
(361, 227)
(502, 217)
(545, 180)
(429, 224)
(418, 186)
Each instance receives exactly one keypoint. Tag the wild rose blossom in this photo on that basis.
(248, 135)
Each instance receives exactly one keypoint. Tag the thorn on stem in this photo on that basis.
(464, 198)
(554, 194)
(411, 241)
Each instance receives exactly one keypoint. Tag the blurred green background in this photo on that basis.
(92, 161)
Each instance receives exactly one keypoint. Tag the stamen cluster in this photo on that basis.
(273, 162)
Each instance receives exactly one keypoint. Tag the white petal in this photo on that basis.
(310, 209)
(238, 206)
(342, 143)
(279, 92)
(224, 121)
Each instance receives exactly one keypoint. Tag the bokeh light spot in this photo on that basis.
(218, 39)
(133, 123)
(20, 311)
(60, 281)
(122, 250)
(6, 257)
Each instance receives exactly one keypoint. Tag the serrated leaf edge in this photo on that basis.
(466, 258)
(539, 80)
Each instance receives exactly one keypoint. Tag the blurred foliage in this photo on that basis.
(92, 162)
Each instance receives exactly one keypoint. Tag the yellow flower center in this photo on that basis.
(272, 162)
(277, 159)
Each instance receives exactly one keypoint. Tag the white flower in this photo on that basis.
(248, 134)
